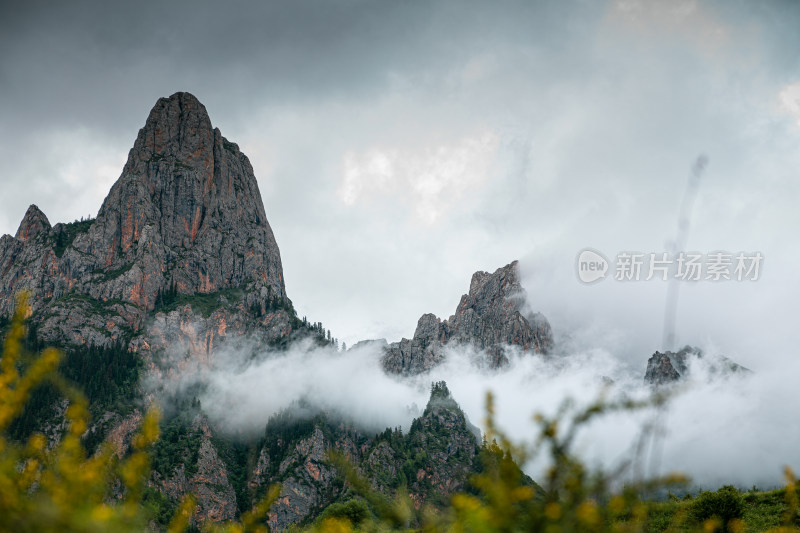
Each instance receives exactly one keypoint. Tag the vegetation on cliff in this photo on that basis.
(106, 375)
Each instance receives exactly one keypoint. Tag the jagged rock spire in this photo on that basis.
(491, 315)
(186, 212)
(664, 368)
(33, 223)
(190, 199)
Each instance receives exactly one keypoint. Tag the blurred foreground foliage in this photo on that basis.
(59, 488)
(48, 487)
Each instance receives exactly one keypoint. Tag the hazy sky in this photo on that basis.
(401, 146)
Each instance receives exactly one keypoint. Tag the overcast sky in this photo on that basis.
(401, 146)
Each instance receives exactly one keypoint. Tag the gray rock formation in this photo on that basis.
(33, 223)
(490, 317)
(670, 367)
(185, 212)
(186, 208)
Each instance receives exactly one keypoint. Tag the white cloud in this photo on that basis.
(71, 175)
(722, 430)
(430, 179)
(789, 98)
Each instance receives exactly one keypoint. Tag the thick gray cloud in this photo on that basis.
(400, 146)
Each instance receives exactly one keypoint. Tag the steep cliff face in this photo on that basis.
(669, 367)
(33, 223)
(185, 214)
(179, 259)
(492, 315)
(187, 209)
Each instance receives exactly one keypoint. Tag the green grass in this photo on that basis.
(763, 510)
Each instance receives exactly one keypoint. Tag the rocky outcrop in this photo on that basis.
(179, 260)
(185, 213)
(33, 223)
(420, 353)
(308, 484)
(185, 335)
(295, 454)
(186, 209)
(491, 316)
(669, 367)
(120, 435)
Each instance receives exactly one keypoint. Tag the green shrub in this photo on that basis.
(726, 505)
(355, 511)
(179, 444)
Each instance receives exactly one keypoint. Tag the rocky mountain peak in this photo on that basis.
(492, 315)
(33, 223)
(507, 277)
(668, 367)
(177, 126)
(185, 216)
(188, 199)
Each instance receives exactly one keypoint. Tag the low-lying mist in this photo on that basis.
(717, 429)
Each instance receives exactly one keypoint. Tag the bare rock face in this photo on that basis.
(667, 367)
(186, 208)
(490, 316)
(184, 335)
(309, 482)
(664, 368)
(179, 260)
(33, 223)
(186, 212)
